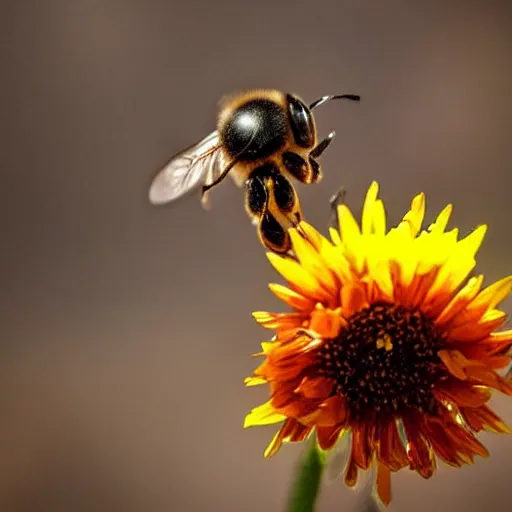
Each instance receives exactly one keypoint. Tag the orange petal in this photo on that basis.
(332, 412)
(497, 362)
(353, 299)
(460, 301)
(450, 451)
(292, 298)
(327, 436)
(390, 449)
(326, 322)
(315, 387)
(279, 320)
(414, 296)
(460, 436)
(482, 375)
(462, 394)
(290, 431)
(289, 369)
(483, 418)
(383, 483)
(419, 449)
(351, 473)
(455, 362)
(490, 321)
(448, 278)
(363, 443)
(499, 342)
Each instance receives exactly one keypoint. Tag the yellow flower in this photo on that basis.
(386, 334)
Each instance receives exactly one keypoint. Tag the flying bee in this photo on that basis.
(263, 138)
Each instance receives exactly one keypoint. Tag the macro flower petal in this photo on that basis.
(390, 341)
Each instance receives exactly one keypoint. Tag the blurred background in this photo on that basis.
(126, 329)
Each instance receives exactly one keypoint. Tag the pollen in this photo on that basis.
(384, 360)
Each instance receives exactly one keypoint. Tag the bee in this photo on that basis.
(264, 138)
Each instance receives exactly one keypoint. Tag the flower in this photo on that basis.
(388, 340)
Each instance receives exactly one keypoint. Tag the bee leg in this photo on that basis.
(315, 170)
(225, 171)
(272, 235)
(207, 187)
(336, 200)
(298, 167)
(322, 146)
(316, 152)
(286, 199)
(256, 198)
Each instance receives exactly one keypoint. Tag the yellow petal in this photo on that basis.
(368, 212)
(274, 445)
(311, 261)
(335, 260)
(379, 218)
(381, 274)
(414, 217)
(291, 297)
(264, 414)
(266, 346)
(254, 381)
(439, 225)
(451, 274)
(472, 242)
(494, 294)
(349, 229)
(461, 300)
(317, 240)
(335, 236)
(297, 276)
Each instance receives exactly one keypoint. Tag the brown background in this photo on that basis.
(126, 329)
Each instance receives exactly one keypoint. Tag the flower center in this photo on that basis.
(384, 360)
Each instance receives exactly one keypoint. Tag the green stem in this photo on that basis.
(306, 486)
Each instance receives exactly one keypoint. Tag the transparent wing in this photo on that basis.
(200, 164)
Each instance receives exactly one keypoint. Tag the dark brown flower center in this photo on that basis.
(384, 360)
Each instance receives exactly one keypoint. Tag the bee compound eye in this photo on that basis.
(301, 122)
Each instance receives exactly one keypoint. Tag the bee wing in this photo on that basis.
(200, 164)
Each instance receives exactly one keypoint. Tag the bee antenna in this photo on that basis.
(325, 99)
